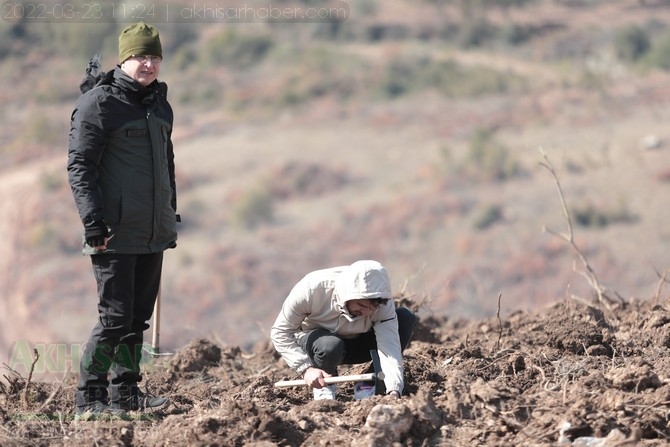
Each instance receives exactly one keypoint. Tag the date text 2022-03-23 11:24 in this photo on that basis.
(15, 11)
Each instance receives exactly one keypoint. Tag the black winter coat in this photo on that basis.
(121, 163)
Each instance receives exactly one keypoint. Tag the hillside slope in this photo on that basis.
(417, 148)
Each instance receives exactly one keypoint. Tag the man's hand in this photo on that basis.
(96, 234)
(314, 377)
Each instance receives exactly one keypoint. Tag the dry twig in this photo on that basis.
(24, 395)
(589, 275)
(499, 322)
(662, 278)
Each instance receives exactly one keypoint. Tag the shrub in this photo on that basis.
(317, 72)
(81, 40)
(43, 236)
(659, 55)
(411, 74)
(488, 159)
(42, 130)
(52, 181)
(304, 179)
(401, 76)
(366, 8)
(176, 36)
(237, 49)
(487, 217)
(455, 80)
(515, 34)
(474, 33)
(588, 215)
(206, 92)
(502, 3)
(184, 57)
(254, 208)
(631, 43)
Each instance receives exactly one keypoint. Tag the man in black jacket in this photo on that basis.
(121, 172)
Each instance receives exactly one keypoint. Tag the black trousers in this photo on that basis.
(127, 289)
(327, 350)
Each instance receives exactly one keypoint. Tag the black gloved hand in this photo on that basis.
(95, 233)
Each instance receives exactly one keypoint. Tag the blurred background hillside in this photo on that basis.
(408, 131)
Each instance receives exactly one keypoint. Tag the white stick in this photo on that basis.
(155, 336)
(335, 379)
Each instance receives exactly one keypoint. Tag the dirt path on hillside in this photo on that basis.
(19, 208)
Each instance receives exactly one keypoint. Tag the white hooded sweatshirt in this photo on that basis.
(319, 301)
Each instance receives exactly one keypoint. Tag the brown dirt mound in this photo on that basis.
(573, 374)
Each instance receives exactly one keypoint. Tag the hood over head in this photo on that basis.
(362, 280)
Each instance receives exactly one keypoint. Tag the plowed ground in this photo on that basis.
(572, 374)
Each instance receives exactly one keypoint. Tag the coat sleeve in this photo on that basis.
(85, 147)
(388, 346)
(173, 183)
(163, 88)
(291, 316)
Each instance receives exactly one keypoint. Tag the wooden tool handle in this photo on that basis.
(335, 379)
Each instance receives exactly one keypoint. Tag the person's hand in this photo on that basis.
(96, 234)
(314, 377)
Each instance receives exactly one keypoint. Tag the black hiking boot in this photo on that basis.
(130, 398)
(99, 411)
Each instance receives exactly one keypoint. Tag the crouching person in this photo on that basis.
(336, 316)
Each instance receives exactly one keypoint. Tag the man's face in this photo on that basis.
(144, 69)
(360, 308)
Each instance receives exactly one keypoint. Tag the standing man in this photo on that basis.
(336, 316)
(121, 172)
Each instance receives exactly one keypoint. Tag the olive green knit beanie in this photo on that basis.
(139, 39)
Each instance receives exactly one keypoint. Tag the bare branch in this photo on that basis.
(24, 395)
(662, 278)
(499, 322)
(589, 274)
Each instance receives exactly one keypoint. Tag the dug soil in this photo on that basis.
(575, 373)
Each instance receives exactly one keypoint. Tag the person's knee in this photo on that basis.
(329, 346)
(407, 321)
(139, 326)
(406, 318)
(327, 353)
(116, 324)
